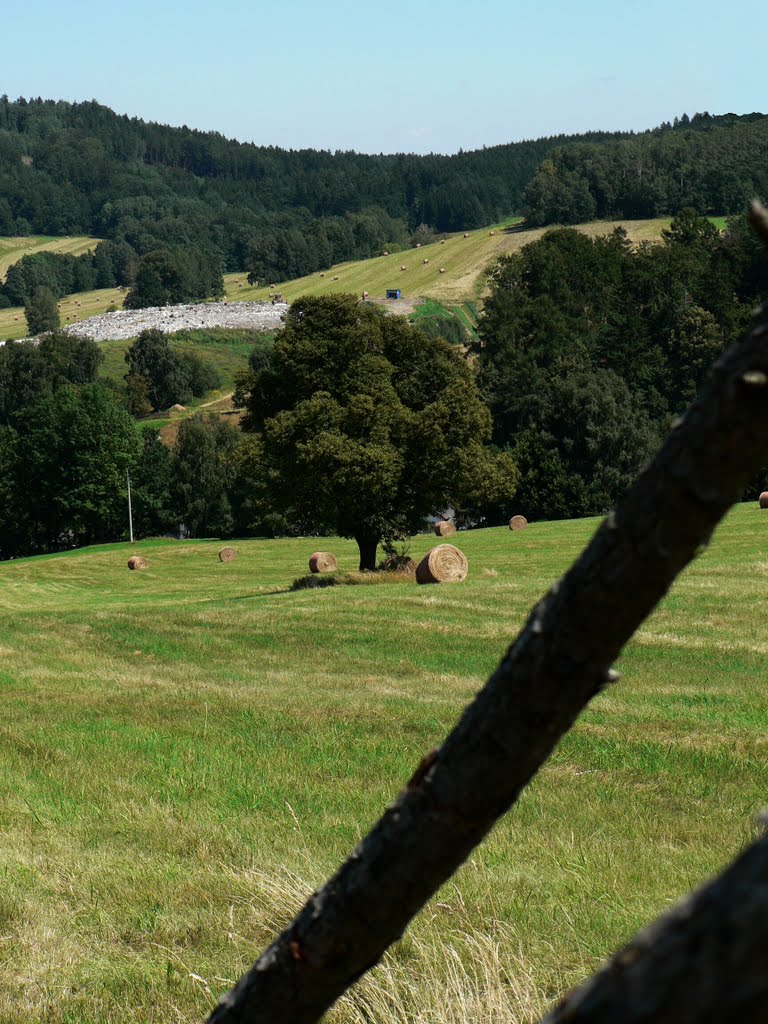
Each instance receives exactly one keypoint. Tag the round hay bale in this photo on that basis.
(764, 499)
(322, 561)
(443, 564)
(518, 523)
(227, 555)
(137, 562)
(445, 529)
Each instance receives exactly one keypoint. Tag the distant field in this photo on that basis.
(464, 261)
(12, 249)
(185, 752)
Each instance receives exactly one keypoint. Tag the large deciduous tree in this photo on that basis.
(364, 426)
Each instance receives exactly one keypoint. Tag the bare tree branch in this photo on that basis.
(706, 961)
(561, 659)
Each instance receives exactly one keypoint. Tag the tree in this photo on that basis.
(151, 357)
(705, 963)
(203, 471)
(41, 311)
(365, 425)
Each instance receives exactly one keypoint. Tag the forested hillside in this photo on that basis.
(73, 169)
(712, 164)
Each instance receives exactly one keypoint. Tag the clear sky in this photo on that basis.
(406, 75)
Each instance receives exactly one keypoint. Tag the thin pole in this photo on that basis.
(130, 512)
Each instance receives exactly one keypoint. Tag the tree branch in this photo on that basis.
(560, 660)
(706, 961)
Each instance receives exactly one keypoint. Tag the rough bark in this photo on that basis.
(706, 961)
(560, 660)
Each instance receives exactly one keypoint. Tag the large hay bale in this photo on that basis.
(445, 529)
(443, 564)
(137, 562)
(227, 555)
(764, 499)
(322, 561)
(518, 523)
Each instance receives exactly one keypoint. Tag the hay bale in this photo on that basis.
(445, 529)
(443, 564)
(137, 562)
(322, 561)
(763, 499)
(518, 523)
(227, 555)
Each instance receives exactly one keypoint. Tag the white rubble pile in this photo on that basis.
(127, 323)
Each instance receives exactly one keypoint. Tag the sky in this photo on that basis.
(404, 76)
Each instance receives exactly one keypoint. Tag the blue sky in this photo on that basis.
(414, 76)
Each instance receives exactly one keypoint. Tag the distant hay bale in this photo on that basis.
(442, 270)
(466, 234)
(322, 561)
(227, 555)
(518, 523)
(402, 267)
(443, 564)
(764, 499)
(137, 562)
(445, 529)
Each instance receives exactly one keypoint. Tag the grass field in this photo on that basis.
(186, 751)
(463, 259)
(12, 249)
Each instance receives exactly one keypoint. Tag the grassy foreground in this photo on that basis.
(186, 751)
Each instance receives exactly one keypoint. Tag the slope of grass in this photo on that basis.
(464, 261)
(13, 249)
(186, 751)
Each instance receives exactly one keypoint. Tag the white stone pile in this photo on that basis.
(127, 323)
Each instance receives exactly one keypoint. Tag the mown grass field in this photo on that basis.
(14, 248)
(463, 259)
(186, 751)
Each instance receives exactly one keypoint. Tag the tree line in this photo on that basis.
(590, 348)
(359, 423)
(82, 169)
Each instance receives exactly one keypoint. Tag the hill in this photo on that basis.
(80, 169)
(12, 249)
(179, 771)
(464, 260)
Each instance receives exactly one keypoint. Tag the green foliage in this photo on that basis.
(67, 458)
(30, 372)
(709, 163)
(588, 347)
(168, 276)
(171, 377)
(364, 426)
(204, 476)
(41, 311)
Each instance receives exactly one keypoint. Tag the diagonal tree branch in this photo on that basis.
(706, 961)
(560, 660)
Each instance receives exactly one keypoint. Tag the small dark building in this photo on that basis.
(393, 293)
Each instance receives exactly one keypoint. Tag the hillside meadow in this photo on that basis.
(464, 261)
(186, 751)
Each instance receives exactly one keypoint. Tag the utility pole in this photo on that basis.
(130, 512)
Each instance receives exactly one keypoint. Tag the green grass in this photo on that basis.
(464, 261)
(187, 750)
(13, 249)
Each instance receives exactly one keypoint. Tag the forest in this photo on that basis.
(71, 169)
(588, 351)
